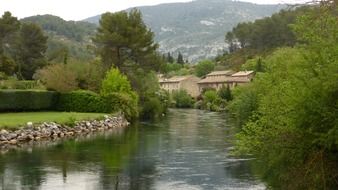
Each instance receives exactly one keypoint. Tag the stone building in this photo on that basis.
(188, 83)
(218, 79)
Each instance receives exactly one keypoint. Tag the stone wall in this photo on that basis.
(51, 131)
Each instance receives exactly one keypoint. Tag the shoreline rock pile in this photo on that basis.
(52, 131)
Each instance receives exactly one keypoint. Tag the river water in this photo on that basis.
(187, 150)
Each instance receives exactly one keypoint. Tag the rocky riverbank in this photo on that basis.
(51, 131)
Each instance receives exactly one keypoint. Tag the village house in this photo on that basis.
(188, 83)
(218, 79)
(215, 80)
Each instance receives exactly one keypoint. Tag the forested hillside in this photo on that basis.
(248, 40)
(196, 29)
(66, 38)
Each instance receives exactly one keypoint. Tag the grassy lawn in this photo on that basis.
(15, 119)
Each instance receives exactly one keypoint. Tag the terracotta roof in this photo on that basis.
(174, 79)
(242, 73)
(227, 72)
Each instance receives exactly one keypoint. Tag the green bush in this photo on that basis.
(182, 99)
(82, 101)
(27, 100)
(87, 101)
(151, 108)
(127, 103)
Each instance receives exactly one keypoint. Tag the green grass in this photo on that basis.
(16, 119)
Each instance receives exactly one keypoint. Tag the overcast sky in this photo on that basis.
(81, 9)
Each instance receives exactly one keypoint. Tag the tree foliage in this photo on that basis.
(204, 67)
(123, 40)
(31, 50)
(291, 109)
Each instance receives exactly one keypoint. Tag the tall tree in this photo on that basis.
(8, 26)
(31, 50)
(180, 59)
(170, 58)
(124, 40)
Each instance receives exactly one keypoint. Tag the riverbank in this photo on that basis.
(14, 120)
(48, 131)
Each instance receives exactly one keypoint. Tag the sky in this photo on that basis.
(81, 9)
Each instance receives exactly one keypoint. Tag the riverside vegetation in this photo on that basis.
(289, 112)
(287, 115)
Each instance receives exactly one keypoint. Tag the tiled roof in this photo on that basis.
(222, 79)
(242, 73)
(227, 72)
(174, 79)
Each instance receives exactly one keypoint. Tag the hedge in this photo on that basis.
(82, 101)
(87, 101)
(76, 101)
(27, 100)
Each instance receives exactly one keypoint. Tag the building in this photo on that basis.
(240, 78)
(188, 83)
(218, 79)
(215, 80)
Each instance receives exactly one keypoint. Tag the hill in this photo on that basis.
(71, 36)
(197, 28)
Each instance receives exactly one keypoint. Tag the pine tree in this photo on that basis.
(170, 58)
(180, 59)
(123, 38)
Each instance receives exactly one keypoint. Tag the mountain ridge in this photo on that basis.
(197, 28)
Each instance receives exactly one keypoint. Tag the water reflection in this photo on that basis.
(186, 150)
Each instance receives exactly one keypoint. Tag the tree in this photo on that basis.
(31, 50)
(225, 93)
(170, 58)
(57, 77)
(8, 26)
(204, 67)
(115, 82)
(230, 39)
(180, 59)
(7, 65)
(123, 40)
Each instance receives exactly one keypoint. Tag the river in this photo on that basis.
(187, 150)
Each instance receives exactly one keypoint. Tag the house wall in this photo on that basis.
(216, 86)
(170, 86)
(191, 86)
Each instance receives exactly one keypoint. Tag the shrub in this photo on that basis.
(182, 99)
(225, 93)
(127, 103)
(27, 100)
(115, 82)
(82, 101)
(151, 108)
(87, 101)
(57, 77)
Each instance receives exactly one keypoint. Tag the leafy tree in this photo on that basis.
(115, 82)
(57, 77)
(204, 67)
(180, 59)
(31, 50)
(292, 125)
(123, 40)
